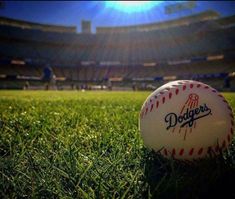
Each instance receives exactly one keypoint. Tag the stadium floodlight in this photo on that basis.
(132, 6)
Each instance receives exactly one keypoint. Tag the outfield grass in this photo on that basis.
(58, 144)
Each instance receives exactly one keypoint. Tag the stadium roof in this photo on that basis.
(37, 26)
(203, 16)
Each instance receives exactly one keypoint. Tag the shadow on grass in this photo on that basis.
(207, 178)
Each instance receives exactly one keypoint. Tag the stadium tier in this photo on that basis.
(197, 47)
(203, 16)
(36, 26)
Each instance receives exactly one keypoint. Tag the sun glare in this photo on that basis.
(132, 6)
(133, 2)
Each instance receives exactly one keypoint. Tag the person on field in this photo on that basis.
(48, 77)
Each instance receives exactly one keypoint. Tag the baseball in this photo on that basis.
(186, 120)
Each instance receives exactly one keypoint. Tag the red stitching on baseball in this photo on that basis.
(177, 91)
(151, 108)
(181, 152)
(146, 110)
(163, 100)
(191, 151)
(200, 151)
(157, 103)
(170, 94)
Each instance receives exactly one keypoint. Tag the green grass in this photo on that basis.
(60, 144)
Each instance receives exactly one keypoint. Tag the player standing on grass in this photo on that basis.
(48, 77)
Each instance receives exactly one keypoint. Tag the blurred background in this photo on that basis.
(116, 45)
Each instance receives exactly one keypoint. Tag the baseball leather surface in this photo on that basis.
(186, 120)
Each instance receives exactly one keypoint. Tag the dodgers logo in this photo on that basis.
(189, 114)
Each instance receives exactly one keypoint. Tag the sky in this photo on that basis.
(71, 13)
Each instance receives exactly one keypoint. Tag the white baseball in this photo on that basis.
(186, 120)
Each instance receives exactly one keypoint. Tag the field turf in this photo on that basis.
(70, 144)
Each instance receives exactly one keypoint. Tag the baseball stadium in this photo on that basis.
(73, 79)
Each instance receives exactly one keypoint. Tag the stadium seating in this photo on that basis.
(177, 51)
